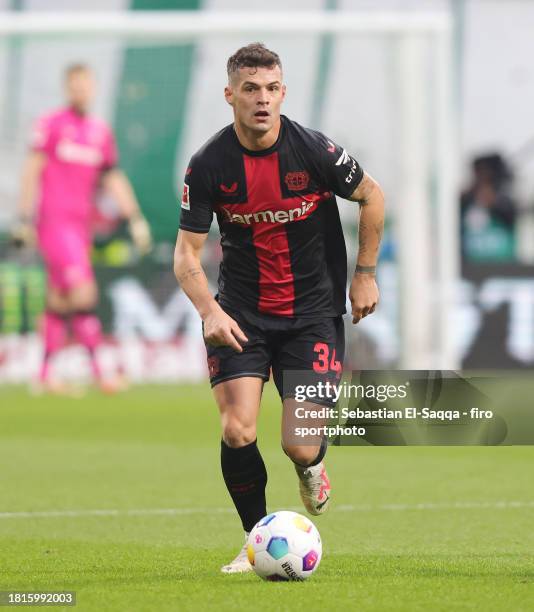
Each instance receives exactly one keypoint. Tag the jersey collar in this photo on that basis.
(263, 152)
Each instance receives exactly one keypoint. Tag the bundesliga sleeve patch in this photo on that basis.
(185, 198)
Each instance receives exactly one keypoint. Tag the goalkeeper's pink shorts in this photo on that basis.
(66, 253)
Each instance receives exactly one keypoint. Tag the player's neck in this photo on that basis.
(255, 141)
(78, 111)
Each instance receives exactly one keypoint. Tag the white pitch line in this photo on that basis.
(488, 505)
(491, 505)
(111, 512)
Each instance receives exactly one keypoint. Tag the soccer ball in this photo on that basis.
(284, 546)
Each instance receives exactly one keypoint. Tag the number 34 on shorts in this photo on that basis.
(326, 360)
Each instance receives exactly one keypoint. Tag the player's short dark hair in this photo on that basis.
(76, 68)
(255, 55)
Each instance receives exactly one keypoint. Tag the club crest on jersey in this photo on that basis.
(296, 181)
(185, 198)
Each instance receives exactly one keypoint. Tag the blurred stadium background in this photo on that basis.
(456, 281)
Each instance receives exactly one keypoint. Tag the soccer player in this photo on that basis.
(72, 154)
(282, 281)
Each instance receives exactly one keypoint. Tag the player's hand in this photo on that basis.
(23, 234)
(140, 233)
(221, 330)
(363, 296)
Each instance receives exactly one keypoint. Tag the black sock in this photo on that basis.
(246, 477)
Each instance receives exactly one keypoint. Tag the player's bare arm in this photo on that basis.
(117, 184)
(363, 291)
(219, 328)
(23, 232)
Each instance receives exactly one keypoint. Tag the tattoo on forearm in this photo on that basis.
(364, 231)
(362, 237)
(189, 274)
(369, 238)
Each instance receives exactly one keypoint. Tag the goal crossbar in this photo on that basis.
(194, 23)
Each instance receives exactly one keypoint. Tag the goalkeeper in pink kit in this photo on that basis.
(72, 155)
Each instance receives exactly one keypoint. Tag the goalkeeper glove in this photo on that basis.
(140, 233)
(23, 233)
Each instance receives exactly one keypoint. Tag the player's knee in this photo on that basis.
(79, 305)
(303, 455)
(235, 434)
(57, 303)
(83, 298)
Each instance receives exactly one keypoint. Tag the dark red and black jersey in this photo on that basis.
(283, 246)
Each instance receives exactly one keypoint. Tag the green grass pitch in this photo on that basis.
(409, 528)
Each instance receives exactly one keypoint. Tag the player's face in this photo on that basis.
(80, 89)
(256, 95)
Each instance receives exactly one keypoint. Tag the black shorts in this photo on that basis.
(314, 346)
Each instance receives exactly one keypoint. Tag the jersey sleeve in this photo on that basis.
(339, 171)
(196, 213)
(42, 135)
(109, 152)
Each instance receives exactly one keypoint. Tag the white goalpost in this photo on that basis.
(426, 158)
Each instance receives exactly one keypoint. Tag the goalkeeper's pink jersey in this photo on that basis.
(78, 149)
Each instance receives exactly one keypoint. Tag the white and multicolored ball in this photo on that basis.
(284, 546)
